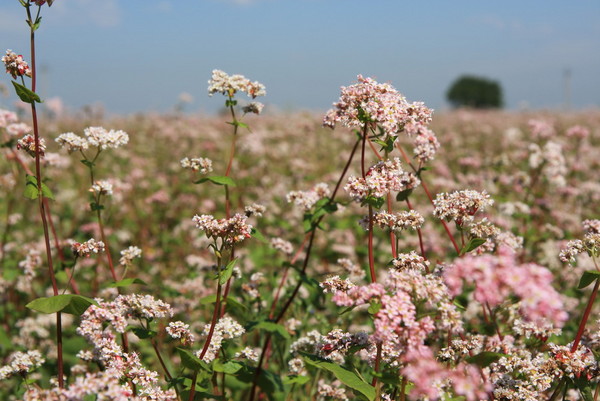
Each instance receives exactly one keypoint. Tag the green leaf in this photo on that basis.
(472, 244)
(588, 278)
(226, 273)
(344, 375)
(37, 23)
(485, 358)
(90, 397)
(240, 124)
(191, 361)
(229, 367)
(88, 163)
(257, 234)
(374, 201)
(374, 307)
(270, 327)
(67, 303)
(217, 179)
(8, 144)
(31, 188)
(143, 333)
(403, 195)
(94, 207)
(26, 95)
(230, 103)
(126, 282)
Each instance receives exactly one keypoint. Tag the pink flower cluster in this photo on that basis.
(460, 206)
(370, 101)
(15, 65)
(381, 179)
(497, 277)
(231, 231)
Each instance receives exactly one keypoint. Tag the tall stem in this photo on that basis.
(41, 204)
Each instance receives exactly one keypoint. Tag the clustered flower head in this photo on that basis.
(127, 255)
(7, 117)
(15, 65)
(225, 329)
(254, 107)
(27, 143)
(102, 187)
(460, 206)
(396, 221)
(335, 345)
(94, 136)
(255, 209)
(201, 164)
(497, 277)
(551, 160)
(412, 260)
(307, 199)
(282, 245)
(381, 179)
(85, 249)
(231, 231)
(21, 363)
(590, 244)
(181, 331)
(99, 323)
(230, 84)
(369, 101)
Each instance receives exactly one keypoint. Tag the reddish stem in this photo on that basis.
(585, 317)
(38, 176)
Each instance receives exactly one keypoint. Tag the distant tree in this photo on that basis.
(476, 92)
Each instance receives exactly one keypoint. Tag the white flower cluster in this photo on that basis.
(27, 143)
(396, 222)
(127, 255)
(589, 244)
(228, 85)
(255, 209)
(231, 231)
(85, 249)
(94, 136)
(460, 206)
(412, 260)
(282, 245)
(201, 164)
(21, 363)
(102, 187)
(381, 179)
(551, 160)
(307, 199)
(225, 329)
(182, 331)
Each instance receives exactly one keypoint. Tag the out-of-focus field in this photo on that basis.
(155, 199)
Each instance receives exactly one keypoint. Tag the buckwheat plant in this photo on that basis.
(19, 69)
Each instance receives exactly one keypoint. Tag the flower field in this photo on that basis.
(375, 251)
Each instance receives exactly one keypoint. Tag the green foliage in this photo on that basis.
(26, 95)
(475, 92)
(67, 303)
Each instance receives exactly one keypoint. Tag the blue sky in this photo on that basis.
(133, 55)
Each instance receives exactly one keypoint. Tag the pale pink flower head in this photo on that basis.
(15, 65)
(578, 131)
(228, 85)
(371, 102)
